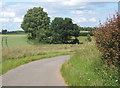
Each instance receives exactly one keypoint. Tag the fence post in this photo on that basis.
(6, 42)
(2, 41)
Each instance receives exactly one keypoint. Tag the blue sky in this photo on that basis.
(82, 13)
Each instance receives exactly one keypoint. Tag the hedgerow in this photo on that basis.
(108, 40)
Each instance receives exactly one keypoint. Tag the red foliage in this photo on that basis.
(108, 40)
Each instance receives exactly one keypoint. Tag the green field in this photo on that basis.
(19, 51)
(18, 40)
(80, 70)
(15, 40)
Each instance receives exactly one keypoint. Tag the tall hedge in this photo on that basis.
(108, 40)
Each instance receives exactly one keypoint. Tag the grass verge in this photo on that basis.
(85, 68)
(13, 63)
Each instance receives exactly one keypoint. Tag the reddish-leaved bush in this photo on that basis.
(107, 38)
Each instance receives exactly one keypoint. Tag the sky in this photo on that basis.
(82, 13)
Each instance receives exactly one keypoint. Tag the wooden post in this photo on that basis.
(2, 41)
(6, 42)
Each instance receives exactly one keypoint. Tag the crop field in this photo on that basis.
(14, 40)
(18, 49)
(20, 40)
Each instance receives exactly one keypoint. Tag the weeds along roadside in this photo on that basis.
(16, 56)
(85, 68)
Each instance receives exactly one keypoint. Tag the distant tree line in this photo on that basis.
(5, 31)
(87, 28)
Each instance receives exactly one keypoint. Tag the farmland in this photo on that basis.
(15, 40)
(75, 42)
(19, 51)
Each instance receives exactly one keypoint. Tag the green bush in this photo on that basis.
(85, 33)
(89, 39)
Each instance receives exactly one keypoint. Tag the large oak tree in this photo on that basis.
(35, 20)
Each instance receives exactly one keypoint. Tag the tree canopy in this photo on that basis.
(4, 31)
(34, 20)
(63, 29)
(37, 24)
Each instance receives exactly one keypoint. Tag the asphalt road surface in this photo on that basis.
(44, 72)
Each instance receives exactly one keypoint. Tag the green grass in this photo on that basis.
(20, 52)
(15, 40)
(78, 71)
(27, 51)
(16, 56)
(18, 47)
(13, 63)
(84, 31)
(85, 68)
(18, 40)
(82, 39)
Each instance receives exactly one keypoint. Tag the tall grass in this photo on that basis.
(16, 56)
(13, 63)
(19, 51)
(85, 68)
(27, 51)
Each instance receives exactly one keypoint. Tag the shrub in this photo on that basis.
(89, 39)
(108, 41)
(85, 33)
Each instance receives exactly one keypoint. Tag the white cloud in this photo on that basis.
(82, 12)
(17, 19)
(60, 0)
(1, 3)
(7, 14)
(78, 12)
(45, 10)
(71, 2)
(4, 19)
(93, 19)
(53, 0)
(79, 20)
(92, 12)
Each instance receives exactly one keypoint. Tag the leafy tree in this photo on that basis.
(36, 24)
(4, 31)
(63, 29)
(35, 20)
